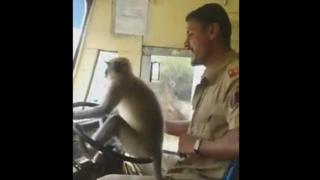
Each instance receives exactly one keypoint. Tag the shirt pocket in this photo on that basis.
(215, 127)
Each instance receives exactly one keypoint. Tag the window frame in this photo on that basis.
(94, 70)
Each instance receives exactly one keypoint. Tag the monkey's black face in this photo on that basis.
(117, 66)
(110, 68)
(113, 67)
(106, 72)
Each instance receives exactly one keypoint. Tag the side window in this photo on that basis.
(174, 86)
(98, 83)
(176, 80)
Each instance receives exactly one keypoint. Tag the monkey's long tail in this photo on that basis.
(157, 167)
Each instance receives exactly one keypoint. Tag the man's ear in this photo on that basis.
(213, 30)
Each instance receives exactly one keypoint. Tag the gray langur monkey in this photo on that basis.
(141, 130)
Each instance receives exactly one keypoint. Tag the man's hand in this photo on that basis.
(176, 127)
(186, 143)
(225, 147)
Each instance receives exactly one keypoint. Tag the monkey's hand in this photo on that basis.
(90, 113)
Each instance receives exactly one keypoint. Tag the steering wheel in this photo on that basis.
(106, 150)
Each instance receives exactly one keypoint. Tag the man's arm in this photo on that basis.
(226, 147)
(176, 127)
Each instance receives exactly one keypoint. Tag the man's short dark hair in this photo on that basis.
(213, 13)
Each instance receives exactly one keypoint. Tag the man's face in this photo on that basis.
(198, 42)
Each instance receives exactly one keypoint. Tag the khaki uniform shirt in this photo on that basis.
(216, 110)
